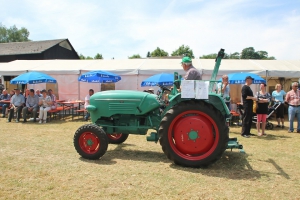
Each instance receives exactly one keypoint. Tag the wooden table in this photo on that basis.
(70, 105)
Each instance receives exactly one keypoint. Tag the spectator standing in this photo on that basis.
(31, 106)
(53, 99)
(45, 103)
(263, 100)
(17, 102)
(278, 96)
(4, 97)
(248, 98)
(224, 90)
(293, 99)
(87, 102)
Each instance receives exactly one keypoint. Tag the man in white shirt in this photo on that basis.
(87, 102)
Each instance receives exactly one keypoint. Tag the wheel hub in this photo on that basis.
(193, 135)
(89, 142)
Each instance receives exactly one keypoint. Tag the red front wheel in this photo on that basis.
(90, 141)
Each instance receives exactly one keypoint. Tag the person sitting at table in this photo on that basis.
(31, 105)
(38, 93)
(45, 104)
(53, 99)
(16, 105)
(87, 102)
(4, 97)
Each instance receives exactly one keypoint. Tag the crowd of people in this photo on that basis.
(30, 102)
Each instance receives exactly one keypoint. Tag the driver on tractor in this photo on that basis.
(191, 72)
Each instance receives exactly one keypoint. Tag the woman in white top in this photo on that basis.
(45, 105)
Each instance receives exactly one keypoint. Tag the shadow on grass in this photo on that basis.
(279, 169)
(232, 165)
(129, 154)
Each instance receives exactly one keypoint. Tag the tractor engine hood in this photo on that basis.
(109, 103)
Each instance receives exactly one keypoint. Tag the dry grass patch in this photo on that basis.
(40, 162)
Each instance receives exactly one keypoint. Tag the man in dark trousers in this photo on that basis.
(248, 99)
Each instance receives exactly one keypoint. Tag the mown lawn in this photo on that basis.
(40, 162)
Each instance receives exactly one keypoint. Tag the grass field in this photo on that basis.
(40, 162)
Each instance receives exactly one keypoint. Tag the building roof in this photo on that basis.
(31, 47)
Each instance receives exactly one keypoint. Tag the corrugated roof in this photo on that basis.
(32, 47)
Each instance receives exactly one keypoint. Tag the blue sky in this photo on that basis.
(120, 29)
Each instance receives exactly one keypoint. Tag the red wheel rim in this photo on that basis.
(193, 135)
(89, 142)
(114, 136)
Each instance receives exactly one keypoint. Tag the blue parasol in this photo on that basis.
(33, 78)
(99, 76)
(159, 79)
(239, 78)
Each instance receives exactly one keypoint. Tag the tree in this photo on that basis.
(183, 51)
(159, 53)
(81, 57)
(249, 53)
(13, 34)
(235, 55)
(134, 56)
(98, 56)
(148, 54)
(209, 56)
(88, 58)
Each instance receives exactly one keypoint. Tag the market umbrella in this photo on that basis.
(33, 78)
(159, 79)
(239, 78)
(99, 76)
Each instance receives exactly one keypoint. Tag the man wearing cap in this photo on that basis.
(191, 72)
(16, 104)
(248, 99)
(32, 103)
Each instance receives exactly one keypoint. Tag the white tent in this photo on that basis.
(134, 71)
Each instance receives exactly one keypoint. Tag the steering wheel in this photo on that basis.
(164, 88)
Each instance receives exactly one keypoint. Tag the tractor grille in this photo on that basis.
(122, 106)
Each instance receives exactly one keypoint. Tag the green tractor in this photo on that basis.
(192, 132)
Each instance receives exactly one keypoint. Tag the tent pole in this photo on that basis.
(267, 89)
(79, 85)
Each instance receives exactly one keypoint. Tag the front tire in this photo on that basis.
(193, 134)
(90, 141)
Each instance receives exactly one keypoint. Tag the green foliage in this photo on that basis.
(81, 57)
(98, 56)
(235, 55)
(209, 56)
(148, 54)
(89, 58)
(183, 51)
(247, 53)
(159, 53)
(134, 56)
(13, 34)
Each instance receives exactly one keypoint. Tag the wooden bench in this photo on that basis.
(52, 113)
(83, 111)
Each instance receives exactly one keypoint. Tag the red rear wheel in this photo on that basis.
(193, 134)
(117, 138)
